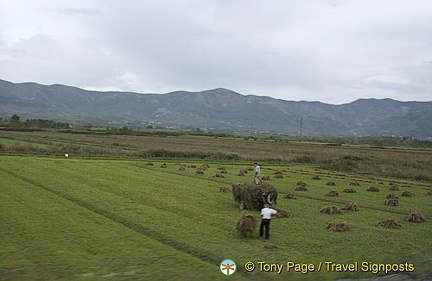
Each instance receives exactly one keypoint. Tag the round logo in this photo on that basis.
(228, 267)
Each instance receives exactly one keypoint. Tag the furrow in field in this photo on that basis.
(42, 231)
(137, 227)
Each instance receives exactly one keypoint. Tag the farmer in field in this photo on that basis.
(266, 214)
(257, 179)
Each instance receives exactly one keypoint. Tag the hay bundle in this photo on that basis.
(249, 169)
(222, 169)
(332, 193)
(278, 175)
(265, 178)
(241, 173)
(301, 183)
(290, 195)
(219, 175)
(391, 202)
(199, 171)
(317, 178)
(301, 188)
(415, 216)
(354, 183)
(392, 196)
(339, 226)
(331, 183)
(389, 223)
(149, 163)
(225, 189)
(373, 189)
(164, 165)
(281, 214)
(205, 166)
(254, 196)
(350, 190)
(182, 168)
(394, 187)
(271, 246)
(407, 194)
(351, 206)
(192, 166)
(246, 224)
(429, 193)
(331, 210)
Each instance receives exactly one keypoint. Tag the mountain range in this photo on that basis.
(215, 110)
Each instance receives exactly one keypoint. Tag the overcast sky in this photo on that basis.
(333, 51)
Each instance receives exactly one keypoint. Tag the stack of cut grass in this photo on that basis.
(254, 196)
(415, 216)
(338, 226)
(351, 206)
(389, 223)
(246, 224)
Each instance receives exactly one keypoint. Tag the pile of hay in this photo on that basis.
(164, 165)
(281, 214)
(351, 206)
(391, 202)
(429, 193)
(265, 178)
(354, 183)
(290, 195)
(301, 183)
(242, 173)
(389, 223)
(149, 163)
(415, 216)
(225, 189)
(246, 224)
(192, 166)
(331, 210)
(222, 170)
(407, 194)
(373, 189)
(394, 187)
(204, 166)
(317, 178)
(278, 175)
(392, 196)
(331, 183)
(350, 190)
(301, 188)
(199, 171)
(332, 193)
(253, 196)
(219, 175)
(339, 226)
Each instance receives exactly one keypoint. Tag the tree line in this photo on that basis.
(15, 123)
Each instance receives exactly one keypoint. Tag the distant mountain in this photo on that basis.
(215, 110)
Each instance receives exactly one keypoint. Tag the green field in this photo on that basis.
(121, 219)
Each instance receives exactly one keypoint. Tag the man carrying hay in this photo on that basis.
(266, 214)
(257, 179)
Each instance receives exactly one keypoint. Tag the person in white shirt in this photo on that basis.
(266, 214)
(257, 179)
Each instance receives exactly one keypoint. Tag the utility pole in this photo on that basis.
(301, 128)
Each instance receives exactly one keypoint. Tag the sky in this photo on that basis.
(332, 51)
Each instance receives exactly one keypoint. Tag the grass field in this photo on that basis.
(121, 219)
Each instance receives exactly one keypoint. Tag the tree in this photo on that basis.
(15, 121)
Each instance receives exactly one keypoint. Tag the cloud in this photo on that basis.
(330, 50)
